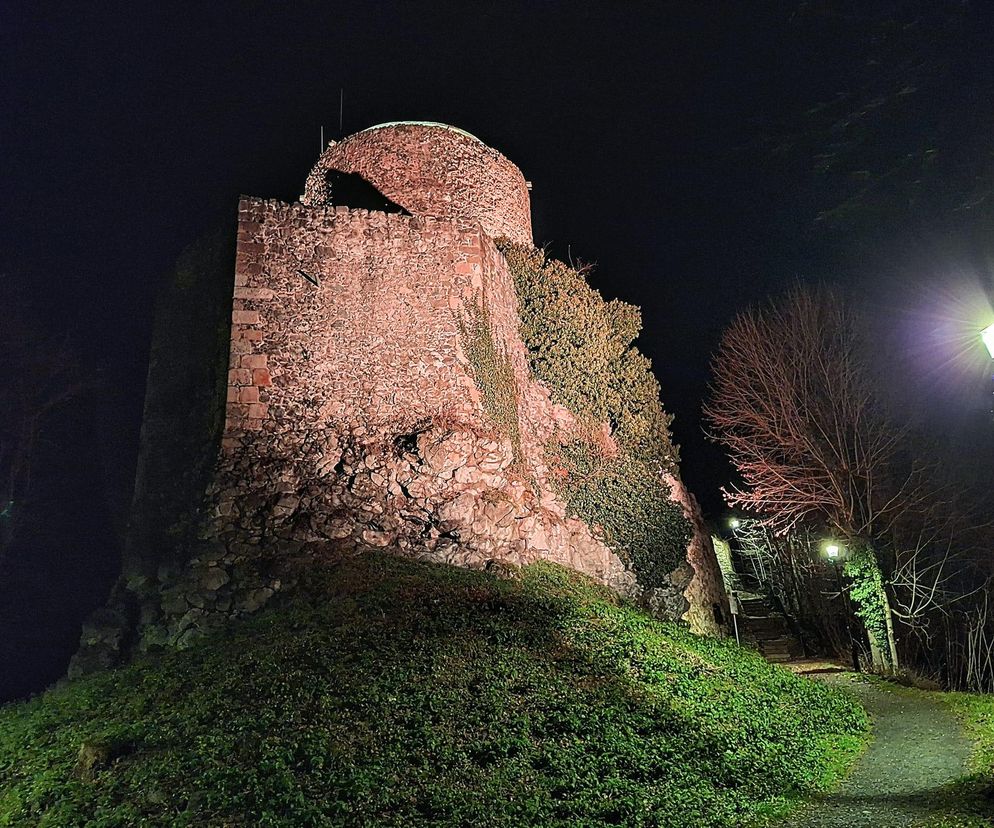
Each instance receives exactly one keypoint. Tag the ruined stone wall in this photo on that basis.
(374, 340)
(358, 320)
(433, 170)
(379, 395)
(357, 409)
(707, 612)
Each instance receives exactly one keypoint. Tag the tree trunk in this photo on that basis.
(891, 638)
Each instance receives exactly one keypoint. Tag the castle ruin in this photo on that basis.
(379, 392)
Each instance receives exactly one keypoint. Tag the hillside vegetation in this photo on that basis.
(394, 693)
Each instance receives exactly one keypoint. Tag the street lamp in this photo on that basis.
(833, 551)
(987, 334)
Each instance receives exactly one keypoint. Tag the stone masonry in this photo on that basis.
(359, 410)
(353, 411)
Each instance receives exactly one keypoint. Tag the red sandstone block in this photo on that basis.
(251, 336)
(253, 293)
(258, 411)
(464, 267)
(248, 394)
(232, 394)
(260, 377)
(255, 361)
(240, 277)
(250, 248)
(245, 317)
(236, 410)
(240, 347)
(239, 376)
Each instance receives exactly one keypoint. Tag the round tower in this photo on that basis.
(428, 169)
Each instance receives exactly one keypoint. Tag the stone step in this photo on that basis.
(767, 631)
(754, 604)
(746, 621)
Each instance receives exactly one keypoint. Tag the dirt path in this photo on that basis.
(918, 747)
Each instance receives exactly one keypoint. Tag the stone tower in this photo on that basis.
(378, 395)
(356, 331)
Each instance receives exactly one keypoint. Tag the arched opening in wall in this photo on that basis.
(352, 190)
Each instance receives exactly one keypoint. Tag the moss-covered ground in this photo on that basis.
(393, 693)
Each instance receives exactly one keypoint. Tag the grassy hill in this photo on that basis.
(393, 693)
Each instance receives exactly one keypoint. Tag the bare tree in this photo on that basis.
(796, 403)
(793, 400)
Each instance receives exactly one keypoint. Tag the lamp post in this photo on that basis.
(834, 554)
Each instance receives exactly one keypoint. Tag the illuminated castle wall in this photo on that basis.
(350, 332)
(378, 395)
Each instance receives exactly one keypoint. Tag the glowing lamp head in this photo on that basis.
(987, 334)
(832, 550)
(734, 523)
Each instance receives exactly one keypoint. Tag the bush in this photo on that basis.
(580, 346)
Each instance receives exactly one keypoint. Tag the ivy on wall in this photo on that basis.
(580, 346)
(494, 375)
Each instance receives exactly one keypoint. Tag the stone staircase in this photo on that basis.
(766, 630)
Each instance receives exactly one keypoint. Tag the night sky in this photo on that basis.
(653, 132)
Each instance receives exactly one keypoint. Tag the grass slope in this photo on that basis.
(970, 801)
(393, 693)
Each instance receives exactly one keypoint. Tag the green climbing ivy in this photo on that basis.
(867, 592)
(492, 370)
(581, 347)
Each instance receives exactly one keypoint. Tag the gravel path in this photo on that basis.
(918, 746)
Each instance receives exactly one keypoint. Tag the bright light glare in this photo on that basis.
(987, 334)
(832, 550)
(734, 523)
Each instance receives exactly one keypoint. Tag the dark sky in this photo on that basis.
(127, 129)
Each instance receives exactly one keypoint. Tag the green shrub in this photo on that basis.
(392, 693)
(580, 346)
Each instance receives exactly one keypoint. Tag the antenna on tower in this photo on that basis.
(341, 109)
(322, 140)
